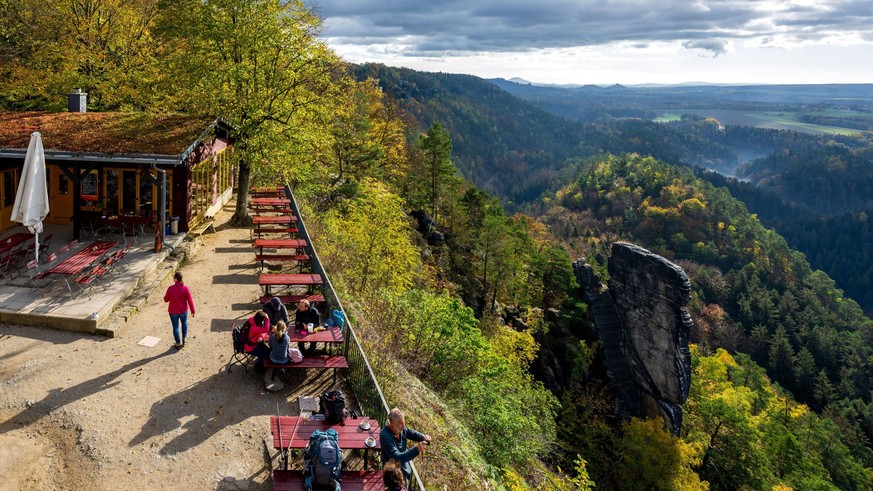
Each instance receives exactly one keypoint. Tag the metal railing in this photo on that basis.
(360, 377)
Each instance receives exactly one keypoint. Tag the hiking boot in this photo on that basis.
(178, 346)
(183, 343)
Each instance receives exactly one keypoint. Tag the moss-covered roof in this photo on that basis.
(108, 133)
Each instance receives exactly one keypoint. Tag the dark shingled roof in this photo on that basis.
(107, 133)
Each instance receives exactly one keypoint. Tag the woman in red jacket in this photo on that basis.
(179, 297)
(259, 335)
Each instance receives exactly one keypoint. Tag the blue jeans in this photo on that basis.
(176, 319)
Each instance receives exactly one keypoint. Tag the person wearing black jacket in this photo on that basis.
(276, 311)
(306, 314)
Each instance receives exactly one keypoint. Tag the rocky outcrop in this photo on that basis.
(641, 320)
(427, 228)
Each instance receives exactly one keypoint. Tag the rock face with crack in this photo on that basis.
(644, 326)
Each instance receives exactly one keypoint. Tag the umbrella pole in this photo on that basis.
(36, 250)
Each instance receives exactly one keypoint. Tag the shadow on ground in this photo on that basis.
(59, 397)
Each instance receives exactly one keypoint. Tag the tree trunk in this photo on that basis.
(241, 216)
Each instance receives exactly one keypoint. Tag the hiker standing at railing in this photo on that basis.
(393, 438)
(179, 297)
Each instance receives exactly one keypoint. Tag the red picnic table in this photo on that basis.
(294, 279)
(267, 192)
(295, 431)
(7, 243)
(271, 204)
(331, 336)
(286, 223)
(297, 244)
(279, 244)
(83, 258)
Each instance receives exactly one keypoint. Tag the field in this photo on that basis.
(766, 119)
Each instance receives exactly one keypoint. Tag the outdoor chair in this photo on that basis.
(38, 278)
(88, 280)
(119, 259)
(7, 265)
(64, 250)
(25, 251)
(44, 246)
(240, 357)
(129, 230)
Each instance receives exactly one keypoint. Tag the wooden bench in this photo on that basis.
(351, 480)
(200, 229)
(300, 258)
(292, 299)
(265, 231)
(323, 362)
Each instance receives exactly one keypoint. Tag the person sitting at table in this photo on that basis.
(276, 311)
(392, 476)
(259, 335)
(279, 342)
(394, 437)
(306, 314)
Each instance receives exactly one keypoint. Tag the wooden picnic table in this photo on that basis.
(83, 258)
(330, 335)
(262, 244)
(270, 202)
(273, 220)
(267, 192)
(7, 243)
(295, 431)
(350, 435)
(286, 223)
(294, 279)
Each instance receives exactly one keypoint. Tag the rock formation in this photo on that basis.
(641, 320)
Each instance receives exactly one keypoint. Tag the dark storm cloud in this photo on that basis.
(452, 26)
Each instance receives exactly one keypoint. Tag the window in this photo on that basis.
(63, 184)
(9, 188)
(129, 188)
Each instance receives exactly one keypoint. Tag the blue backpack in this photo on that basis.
(337, 319)
(323, 461)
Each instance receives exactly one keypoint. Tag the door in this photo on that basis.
(7, 197)
(60, 197)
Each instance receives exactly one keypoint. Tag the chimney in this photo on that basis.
(77, 101)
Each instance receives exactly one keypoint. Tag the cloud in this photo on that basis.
(715, 46)
(417, 28)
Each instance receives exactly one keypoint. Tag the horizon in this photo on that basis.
(721, 42)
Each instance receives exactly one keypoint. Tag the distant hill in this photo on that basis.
(591, 103)
(502, 143)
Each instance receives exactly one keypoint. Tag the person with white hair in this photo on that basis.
(394, 438)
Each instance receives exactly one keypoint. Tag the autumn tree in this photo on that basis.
(434, 170)
(258, 64)
(103, 46)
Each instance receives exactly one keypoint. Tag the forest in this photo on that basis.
(453, 209)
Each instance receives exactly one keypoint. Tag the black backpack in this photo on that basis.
(240, 335)
(333, 404)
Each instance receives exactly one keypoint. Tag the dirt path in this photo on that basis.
(86, 412)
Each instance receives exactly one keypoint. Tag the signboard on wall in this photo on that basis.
(89, 186)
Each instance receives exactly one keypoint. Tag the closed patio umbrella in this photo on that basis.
(31, 200)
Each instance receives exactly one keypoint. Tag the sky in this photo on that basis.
(612, 41)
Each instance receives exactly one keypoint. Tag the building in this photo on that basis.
(108, 164)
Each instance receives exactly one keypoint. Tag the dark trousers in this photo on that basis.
(261, 351)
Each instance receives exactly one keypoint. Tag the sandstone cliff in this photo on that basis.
(641, 320)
